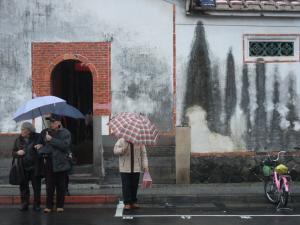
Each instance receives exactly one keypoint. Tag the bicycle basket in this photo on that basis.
(267, 170)
(281, 169)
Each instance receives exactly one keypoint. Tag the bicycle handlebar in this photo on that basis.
(278, 155)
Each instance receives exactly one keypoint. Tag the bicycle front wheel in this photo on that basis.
(284, 195)
(271, 192)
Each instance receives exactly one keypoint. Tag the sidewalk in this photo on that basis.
(159, 194)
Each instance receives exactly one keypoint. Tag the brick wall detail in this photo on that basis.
(95, 55)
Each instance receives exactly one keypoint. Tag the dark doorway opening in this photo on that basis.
(72, 81)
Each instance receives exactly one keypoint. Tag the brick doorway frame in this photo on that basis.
(97, 57)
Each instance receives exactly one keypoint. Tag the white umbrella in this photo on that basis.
(37, 107)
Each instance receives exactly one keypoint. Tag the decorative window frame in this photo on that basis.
(295, 38)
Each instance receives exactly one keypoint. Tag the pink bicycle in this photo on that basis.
(277, 181)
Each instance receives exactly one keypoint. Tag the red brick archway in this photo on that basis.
(94, 55)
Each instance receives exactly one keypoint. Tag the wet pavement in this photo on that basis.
(213, 213)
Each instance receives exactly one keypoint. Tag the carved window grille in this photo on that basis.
(271, 48)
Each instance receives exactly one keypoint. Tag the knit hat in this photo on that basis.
(28, 126)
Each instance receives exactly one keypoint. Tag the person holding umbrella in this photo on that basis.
(134, 132)
(132, 161)
(55, 144)
(31, 162)
(55, 147)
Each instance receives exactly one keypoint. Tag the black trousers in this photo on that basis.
(55, 181)
(25, 191)
(130, 183)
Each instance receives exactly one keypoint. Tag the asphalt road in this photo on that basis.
(204, 214)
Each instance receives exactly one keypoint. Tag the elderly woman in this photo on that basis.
(30, 160)
(132, 161)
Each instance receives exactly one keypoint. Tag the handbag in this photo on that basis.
(16, 173)
(147, 180)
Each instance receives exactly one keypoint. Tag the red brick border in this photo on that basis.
(95, 55)
(76, 199)
(240, 154)
(8, 134)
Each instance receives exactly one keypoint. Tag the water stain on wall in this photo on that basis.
(198, 72)
(245, 105)
(280, 131)
(276, 133)
(230, 92)
(260, 122)
(140, 87)
(11, 83)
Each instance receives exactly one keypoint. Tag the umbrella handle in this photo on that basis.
(42, 118)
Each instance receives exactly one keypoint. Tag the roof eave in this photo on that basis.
(247, 13)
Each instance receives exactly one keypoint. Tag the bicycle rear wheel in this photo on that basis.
(271, 192)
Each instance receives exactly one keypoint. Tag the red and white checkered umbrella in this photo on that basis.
(134, 127)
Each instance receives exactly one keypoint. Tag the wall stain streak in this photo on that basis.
(291, 135)
(203, 89)
(230, 92)
(245, 106)
(198, 73)
(141, 84)
(214, 102)
(260, 126)
(275, 131)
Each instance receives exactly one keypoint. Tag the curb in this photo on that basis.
(199, 199)
(153, 199)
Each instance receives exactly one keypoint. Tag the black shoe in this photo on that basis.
(23, 208)
(36, 208)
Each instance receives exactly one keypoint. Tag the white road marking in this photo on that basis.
(119, 210)
(246, 217)
(205, 215)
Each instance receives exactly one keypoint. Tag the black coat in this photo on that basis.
(31, 161)
(58, 148)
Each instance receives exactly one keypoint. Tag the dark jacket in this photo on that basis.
(31, 161)
(58, 148)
